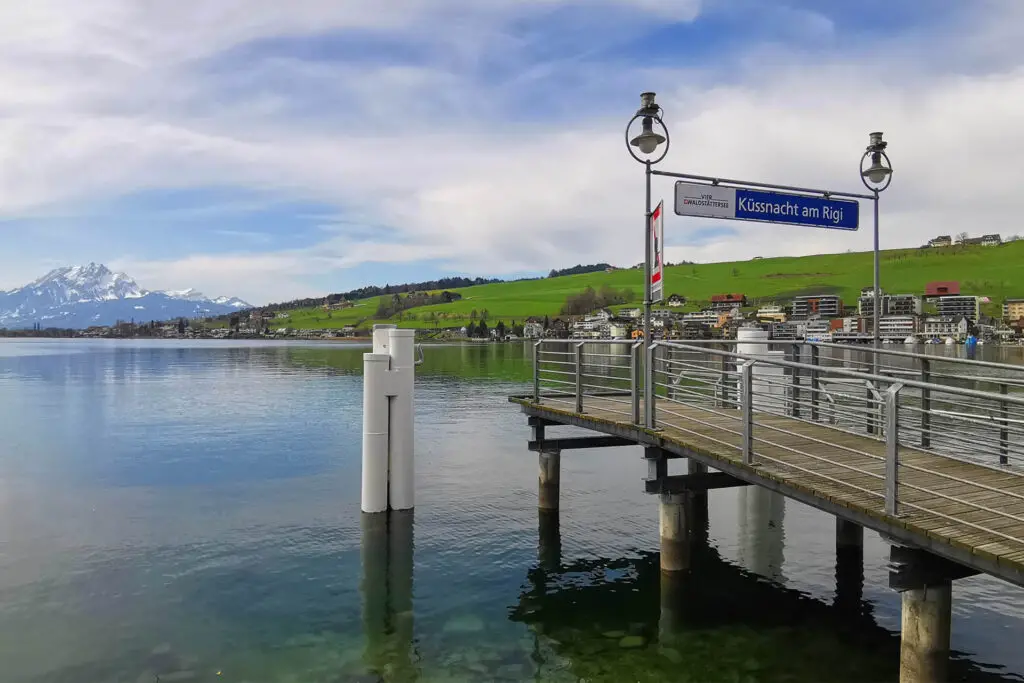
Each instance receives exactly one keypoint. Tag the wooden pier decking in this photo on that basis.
(837, 471)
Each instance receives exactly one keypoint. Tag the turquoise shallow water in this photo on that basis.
(189, 512)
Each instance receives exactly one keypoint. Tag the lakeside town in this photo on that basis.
(940, 314)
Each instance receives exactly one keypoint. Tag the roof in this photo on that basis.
(942, 287)
(718, 298)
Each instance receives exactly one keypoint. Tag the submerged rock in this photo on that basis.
(632, 641)
(467, 623)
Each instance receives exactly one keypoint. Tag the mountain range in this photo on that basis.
(82, 296)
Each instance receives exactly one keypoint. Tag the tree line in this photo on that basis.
(590, 300)
(580, 269)
(372, 291)
(398, 303)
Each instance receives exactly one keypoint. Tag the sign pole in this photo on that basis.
(878, 299)
(648, 372)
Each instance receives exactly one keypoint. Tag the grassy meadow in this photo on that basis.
(996, 272)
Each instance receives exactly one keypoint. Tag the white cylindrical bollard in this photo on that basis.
(769, 380)
(381, 339)
(375, 432)
(402, 473)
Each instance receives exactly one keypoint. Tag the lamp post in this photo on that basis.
(876, 178)
(647, 143)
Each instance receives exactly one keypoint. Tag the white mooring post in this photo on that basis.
(388, 386)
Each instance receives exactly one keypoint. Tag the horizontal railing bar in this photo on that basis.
(865, 376)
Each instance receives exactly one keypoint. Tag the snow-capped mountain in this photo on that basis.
(80, 296)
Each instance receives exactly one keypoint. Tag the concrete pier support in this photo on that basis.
(548, 480)
(849, 535)
(697, 508)
(849, 566)
(924, 646)
(549, 540)
(675, 533)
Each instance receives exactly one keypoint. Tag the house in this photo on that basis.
(892, 304)
(706, 317)
(784, 330)
(630, 313)
(676, 300)
(726, 302)
(772, 312)
(1013, 309)
(955, 306)
(991, 240)
(820, 305)
(533, 330)
(942, 288)
(897, 326)
(945, 326)
(618, 329)
(941, 241)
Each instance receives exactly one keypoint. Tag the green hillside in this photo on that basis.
(996, 272)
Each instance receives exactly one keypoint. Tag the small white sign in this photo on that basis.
(711, 201)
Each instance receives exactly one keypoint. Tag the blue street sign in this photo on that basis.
(711, 201)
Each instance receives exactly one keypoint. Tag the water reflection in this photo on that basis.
(761, 533)
(616, 619)
(387, 588)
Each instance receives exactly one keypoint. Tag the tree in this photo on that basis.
(500, 329)
(473, 314)
(471, 329)
(181, 326)
(481, 330)
(962, 238)
(547, 322)
(483, 315)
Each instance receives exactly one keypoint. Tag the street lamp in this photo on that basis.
(876, 178)
(647, 143)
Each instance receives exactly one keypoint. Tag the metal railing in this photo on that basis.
(955, 409)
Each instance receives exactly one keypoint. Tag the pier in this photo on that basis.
(923, 449)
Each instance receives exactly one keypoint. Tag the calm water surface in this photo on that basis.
(181, 511)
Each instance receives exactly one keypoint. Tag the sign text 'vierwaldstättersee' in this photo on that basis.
(714, 201)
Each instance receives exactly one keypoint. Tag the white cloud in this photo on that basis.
(427, 150)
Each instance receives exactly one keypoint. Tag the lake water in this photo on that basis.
(182, 511)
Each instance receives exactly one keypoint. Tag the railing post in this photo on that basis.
(815, 382)
(1004, 434)
(635, 367)
(747, 406)
(868, 395)
(795, 357)
(892, 448)
(649, 387)
(926, 404)
(579, 377)
(536, 372)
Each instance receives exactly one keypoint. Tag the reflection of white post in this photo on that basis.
(388, 381)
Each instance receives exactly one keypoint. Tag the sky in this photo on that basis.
(273, 150)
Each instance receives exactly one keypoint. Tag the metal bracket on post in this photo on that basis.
(747, 406)
(926, 404)
(872, 393)
(815, 382)
(635, 367)
(892, 449)
(579, 377)
(536, 372)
